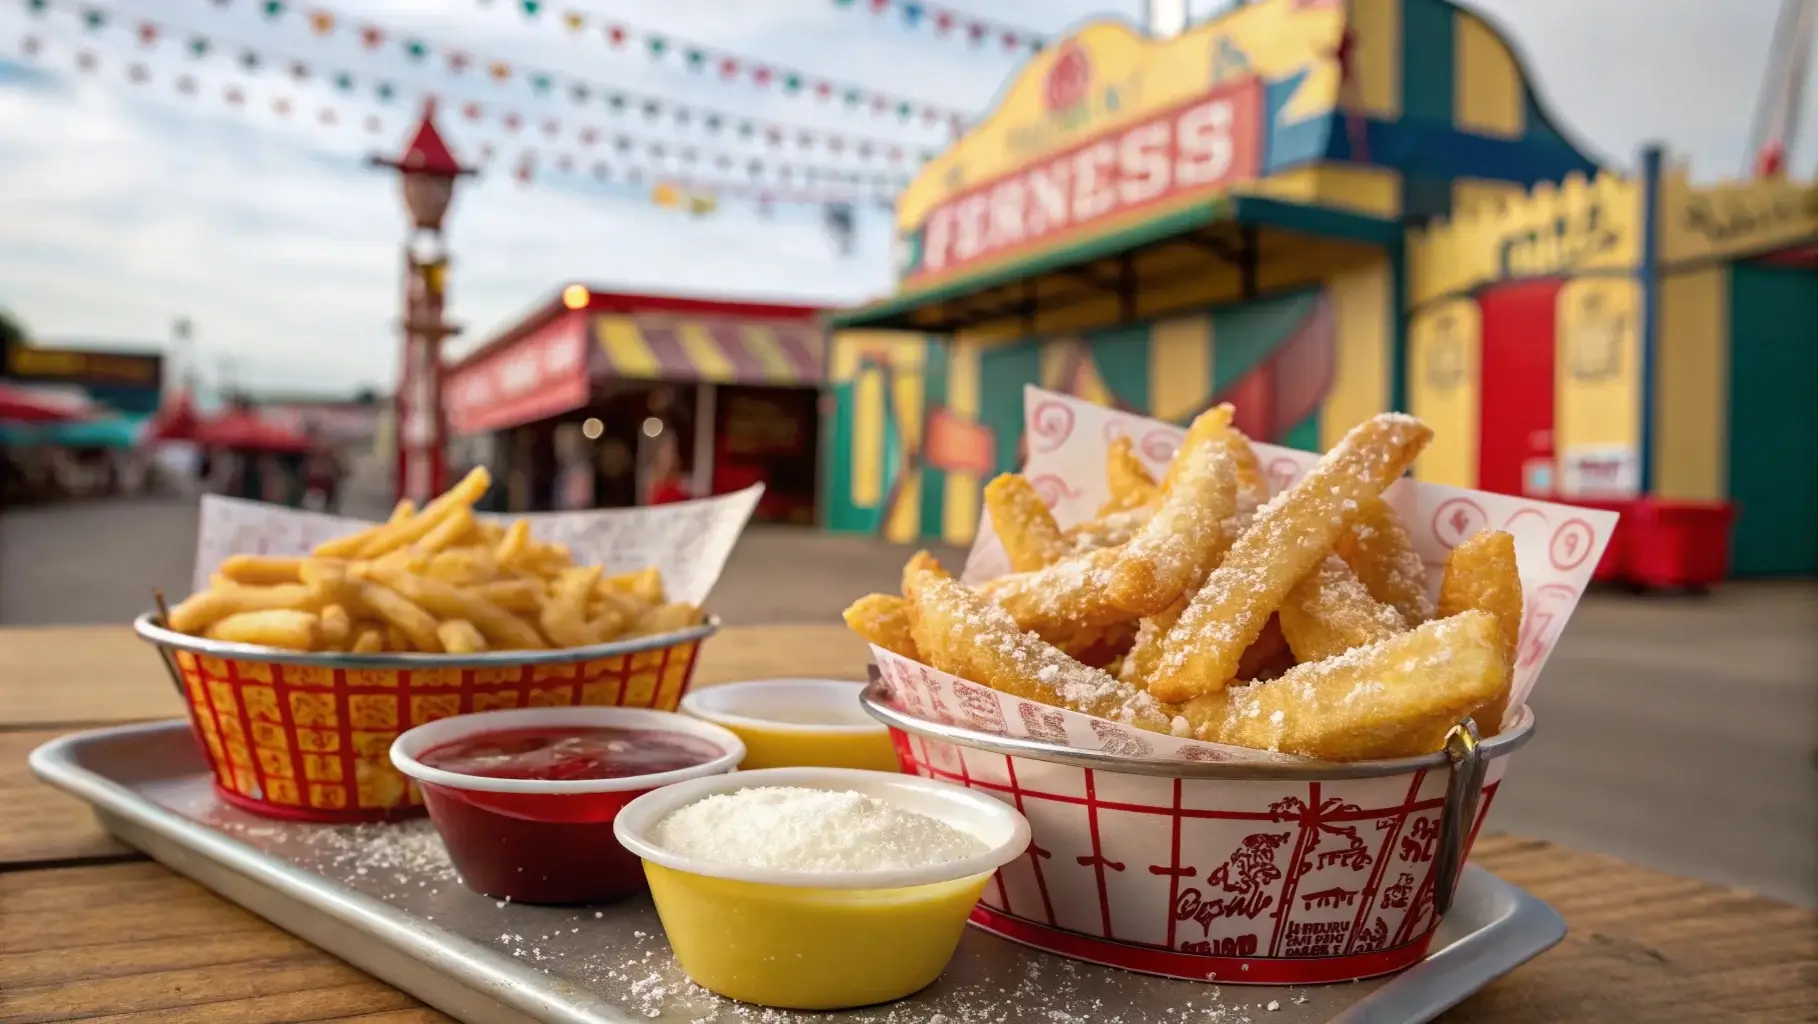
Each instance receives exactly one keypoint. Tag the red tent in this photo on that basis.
(243, 429)
(26, 405)
(176, 420)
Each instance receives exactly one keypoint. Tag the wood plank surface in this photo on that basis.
(41, 823)
(136, 944)
(62, 676)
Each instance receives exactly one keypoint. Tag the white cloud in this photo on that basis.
(121, 208)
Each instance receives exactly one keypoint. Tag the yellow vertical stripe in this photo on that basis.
(762, 343)
(1360, 379)
(959, 515)
(1487, 95)
(1597, 397)
(1054, 364)
(1180, 366)
(904, 519)
(703, 351)
(1376, 25)
(1445, 343)
(868, 438)
(1692, 386)
(626, 350)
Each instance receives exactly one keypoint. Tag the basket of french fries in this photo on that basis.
(311, 642)
(1254, 702)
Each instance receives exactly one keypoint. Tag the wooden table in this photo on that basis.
(91, 930)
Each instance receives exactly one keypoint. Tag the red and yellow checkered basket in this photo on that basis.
(307, 736)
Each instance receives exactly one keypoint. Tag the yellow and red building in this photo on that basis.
(1319, 209)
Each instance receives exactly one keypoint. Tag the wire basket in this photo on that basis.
(307, 736)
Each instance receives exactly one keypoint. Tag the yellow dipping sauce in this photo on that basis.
(791, 723)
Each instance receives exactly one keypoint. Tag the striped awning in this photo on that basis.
(726, 351)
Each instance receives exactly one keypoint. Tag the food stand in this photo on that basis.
(591, 375)
(1319, 211)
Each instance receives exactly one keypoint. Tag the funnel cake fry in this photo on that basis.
(963, 634)
(883, 620)
(1481, 575)
(1330, 612)
(1023, 523)
(1396, 698)
(1290, 536)
(1129, 480)
(1142, 577)
(1377, 547)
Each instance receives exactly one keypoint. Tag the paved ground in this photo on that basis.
(1681, 733)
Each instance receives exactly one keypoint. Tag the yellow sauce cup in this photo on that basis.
(790, 723)
(817, 940)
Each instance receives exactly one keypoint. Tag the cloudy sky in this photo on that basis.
(123, 207)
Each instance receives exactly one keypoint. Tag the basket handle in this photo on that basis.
(1464, 790)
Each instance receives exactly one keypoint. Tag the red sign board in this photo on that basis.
(956, 444)
(1200, 146)
(537, 376)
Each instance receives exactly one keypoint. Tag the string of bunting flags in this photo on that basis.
(325, 22)
(948, 23)
(730, 67)
(769, 182)
(585, 95)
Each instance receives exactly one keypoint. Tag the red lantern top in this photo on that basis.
(427, 153)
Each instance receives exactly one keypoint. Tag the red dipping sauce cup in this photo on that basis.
(546, 841)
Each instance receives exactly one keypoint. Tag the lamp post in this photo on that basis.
(427, 171)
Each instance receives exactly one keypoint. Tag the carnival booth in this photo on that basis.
(1317, 211)
(599, 399)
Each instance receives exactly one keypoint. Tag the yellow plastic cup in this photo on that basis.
(812, 940)
(792, 723)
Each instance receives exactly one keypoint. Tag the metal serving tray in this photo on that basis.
(384, 898)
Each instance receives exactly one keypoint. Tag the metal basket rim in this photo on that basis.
(155, 632)
(876, 703)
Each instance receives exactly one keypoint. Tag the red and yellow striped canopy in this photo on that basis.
(719, 350)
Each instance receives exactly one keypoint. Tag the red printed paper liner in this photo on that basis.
(1234, 881)
(307, 737)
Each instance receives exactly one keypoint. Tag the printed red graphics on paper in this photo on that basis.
(1198, 147)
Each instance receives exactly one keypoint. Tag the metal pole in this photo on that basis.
(704, 418)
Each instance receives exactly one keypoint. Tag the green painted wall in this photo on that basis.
(1774, 420)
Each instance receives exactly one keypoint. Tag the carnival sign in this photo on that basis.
(534, 377)
(1198, 147)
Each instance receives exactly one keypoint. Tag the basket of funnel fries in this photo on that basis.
(300, 669)
(1254, 702)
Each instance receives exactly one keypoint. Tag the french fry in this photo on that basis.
(336, 625)
(958, 631)
(404, 509)
(1481, 575)
(196, 613)
(283, 628)
(1289, 537)
(503, 630)
(883, 619)
(513, 545)
(1395, 698)
(368, 639)
(459, 524)
(644, 586)
(261, 570)
(459, 636)
(672, 617)
(1131, 484)
(563, 618)
(415, 626)
(397, 640)
(1330, 612)
(520, 597)
(463, 566)
(1023, 523)
(450, 503)
(1376, 545)
(314, 570)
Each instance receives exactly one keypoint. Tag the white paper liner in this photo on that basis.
(689, 542)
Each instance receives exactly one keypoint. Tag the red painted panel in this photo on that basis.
(1515, 454)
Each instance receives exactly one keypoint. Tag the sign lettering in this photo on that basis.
(1208, 143)
(1558, 246)
(78, 367)
(1728, 221)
